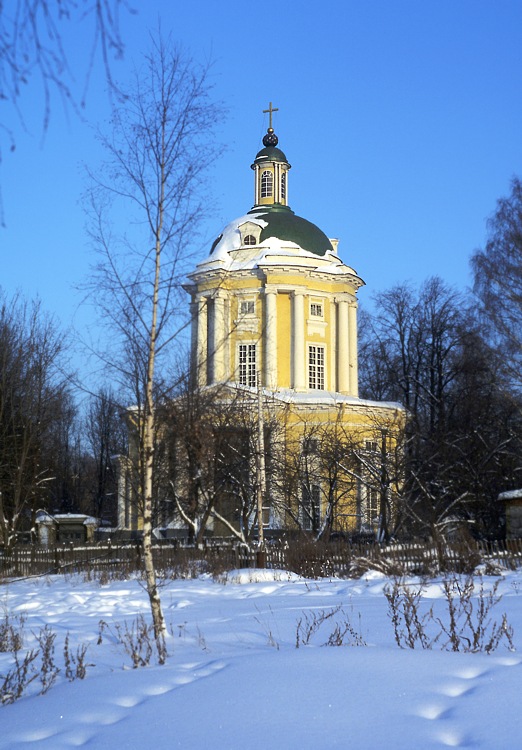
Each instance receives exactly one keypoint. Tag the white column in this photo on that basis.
(298, 341)
(218, 339)
(277, 183)
(256, 185)
(201, 341)
(270, 343)
(343, 354)
(352, 346)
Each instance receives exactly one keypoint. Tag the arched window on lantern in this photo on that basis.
(267, 184)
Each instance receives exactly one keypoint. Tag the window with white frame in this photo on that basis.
(316, 309)
(249, 240)
(247, 307)
(247, 365)
(371, 446)
(283, 186)
(372, 505)
(267, 184)
(316, 361)
(311, 507)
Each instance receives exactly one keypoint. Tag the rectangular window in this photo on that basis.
(247, 365)
(311, 509)
(316, 309)
(372, 505)
(371, 446)
(310, 446)
(316, 367)
(246, 307)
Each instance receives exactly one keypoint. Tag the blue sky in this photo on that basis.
(402, 120)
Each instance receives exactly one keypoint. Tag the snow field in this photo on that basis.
(235, 679)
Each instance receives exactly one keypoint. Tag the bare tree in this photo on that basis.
(158, 152)
(426, 349)
(335, 476)
(498, 280)
(192, 432)
(32, 47)
(31, 390)
(107, 439)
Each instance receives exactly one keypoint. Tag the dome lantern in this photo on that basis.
(271, 167)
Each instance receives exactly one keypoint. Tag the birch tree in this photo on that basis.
(153, 189)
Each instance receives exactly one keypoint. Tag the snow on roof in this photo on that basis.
(313, 398)
(231, 237)
(229, 254)
(510, 495)
(330, 398)
(44, 517)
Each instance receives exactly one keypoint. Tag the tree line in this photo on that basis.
(54, 455)
(447, 356)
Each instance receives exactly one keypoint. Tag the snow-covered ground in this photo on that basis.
(234, 678)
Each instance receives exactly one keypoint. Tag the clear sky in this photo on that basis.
(402, 120)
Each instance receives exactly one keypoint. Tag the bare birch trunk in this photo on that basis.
(158, 152)
(148, 445)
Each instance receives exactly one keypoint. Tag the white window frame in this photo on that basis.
(371, 505)
(249, 229)
(247, 364)
(316, 367)
(247, 307)
(267, 184)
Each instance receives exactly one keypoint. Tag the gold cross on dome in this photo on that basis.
(270, 110)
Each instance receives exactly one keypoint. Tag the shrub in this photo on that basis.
(467, 624)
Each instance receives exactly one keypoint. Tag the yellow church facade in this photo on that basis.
(282, 432)
(274, 319)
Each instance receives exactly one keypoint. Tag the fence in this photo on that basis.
(307, 558)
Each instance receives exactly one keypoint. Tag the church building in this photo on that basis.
(274, 306)
(274, 298)
(274, 320)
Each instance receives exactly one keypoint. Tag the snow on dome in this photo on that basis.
(230, 239)
(274, 245)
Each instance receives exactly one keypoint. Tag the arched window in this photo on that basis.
(267, 184)
(249, 240)
(283, 186)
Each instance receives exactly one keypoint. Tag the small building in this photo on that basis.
(512, 501)
(65, 527)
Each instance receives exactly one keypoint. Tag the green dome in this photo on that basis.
(270, 153)
(282, 223)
